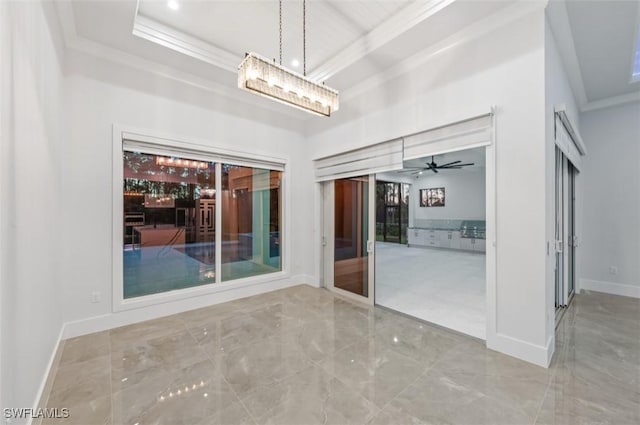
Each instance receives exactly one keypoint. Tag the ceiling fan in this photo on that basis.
(435, 167)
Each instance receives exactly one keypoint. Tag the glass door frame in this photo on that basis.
(401, 208)
(328, 241)
(565, 243)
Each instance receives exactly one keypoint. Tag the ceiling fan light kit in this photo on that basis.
(261, 76)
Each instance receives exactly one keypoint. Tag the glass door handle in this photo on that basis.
(370, 247)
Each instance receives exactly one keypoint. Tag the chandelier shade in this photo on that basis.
(259, 75)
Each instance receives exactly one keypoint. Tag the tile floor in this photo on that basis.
(441, 286)
(304, 356)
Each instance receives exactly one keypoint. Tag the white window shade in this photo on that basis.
(467, 134)
(137, 143)
(567, 137)
(386, 156)
(565, 143)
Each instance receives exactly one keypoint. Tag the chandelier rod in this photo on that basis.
(304, 37)
(280, 26)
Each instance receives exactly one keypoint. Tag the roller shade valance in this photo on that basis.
(567, 137)
(471, 133)
(565, 144)
(152, 146)
(386, 156)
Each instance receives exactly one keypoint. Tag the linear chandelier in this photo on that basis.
(261, 76)
(185, 163)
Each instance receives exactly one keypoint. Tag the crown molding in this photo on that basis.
(611, 101)
(78, 45)
(478, 29)
(560, 26)
(158, 33)
(402, 21)
(64, 10)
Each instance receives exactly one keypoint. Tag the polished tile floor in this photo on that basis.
(441, 286)
(304, 356)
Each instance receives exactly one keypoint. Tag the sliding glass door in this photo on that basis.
(392, 212)
(564, 230)
(348, 237)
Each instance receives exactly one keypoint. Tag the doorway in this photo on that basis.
(348, 237)
(440, 274)
(425, 153)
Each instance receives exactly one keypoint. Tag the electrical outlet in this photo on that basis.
(613, 270)
(95, 297)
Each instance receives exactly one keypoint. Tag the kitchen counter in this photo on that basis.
(467, 239)
(447, 229)
(160, 235)
(468, 233)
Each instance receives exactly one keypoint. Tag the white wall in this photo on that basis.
(33, 132)
(557, 91)
(56, 186)
(465, 195)
(101, 94)
(611, 187)
(504, 67)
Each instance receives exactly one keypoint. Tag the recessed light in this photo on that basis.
(295, 63)
(173, 5)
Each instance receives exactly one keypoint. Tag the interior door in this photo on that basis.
(348, 237)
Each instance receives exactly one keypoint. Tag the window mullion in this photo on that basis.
(218, 218)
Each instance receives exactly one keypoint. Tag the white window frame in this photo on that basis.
(149, 141)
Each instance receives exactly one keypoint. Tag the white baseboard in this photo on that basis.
(551, 348)
(523, 350)
(113, 320)
(610, 288)
(54, 359)
(127, 317)
(309, 280)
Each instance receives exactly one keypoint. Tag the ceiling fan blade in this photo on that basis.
(449, 163)
(434, 169)
(456, 165)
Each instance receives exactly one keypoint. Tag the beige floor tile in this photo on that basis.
(80, 382)
(182, 397)
(391, 415)
(373, 370)
(85, 347)
(437, 398)
(137, 362)
(92, 412)
(262, 364)
(302, 356)
(309, 397)
(150, 329)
